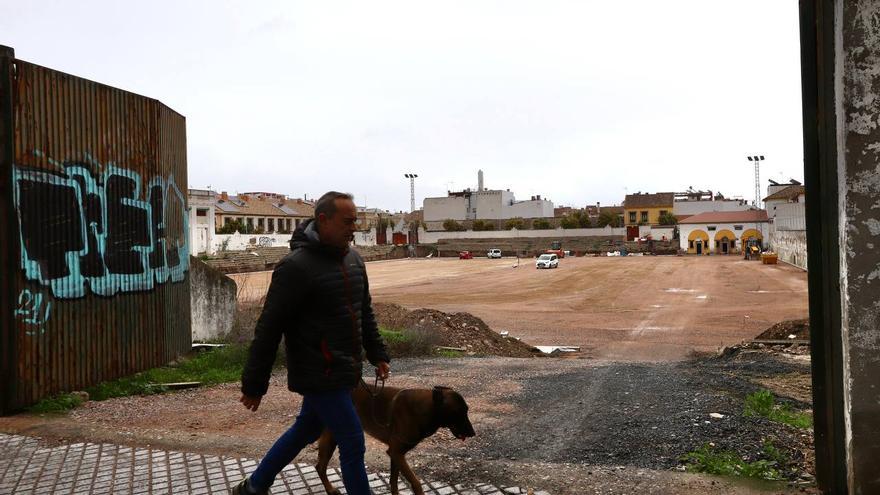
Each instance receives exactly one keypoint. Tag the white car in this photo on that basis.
(547, 261)
(494, 253)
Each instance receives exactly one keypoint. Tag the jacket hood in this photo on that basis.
(306, 236)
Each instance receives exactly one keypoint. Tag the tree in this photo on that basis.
(231, 228)
(540, 224)
(515, 223)
(451, 225)
(569, 222)
(668, 219)
(608, 219)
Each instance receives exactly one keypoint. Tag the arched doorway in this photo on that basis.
(725, 242)
(698, 242)
(752, 243)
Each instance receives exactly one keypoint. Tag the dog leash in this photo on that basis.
(374, 394)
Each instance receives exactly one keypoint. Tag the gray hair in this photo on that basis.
(327, 203)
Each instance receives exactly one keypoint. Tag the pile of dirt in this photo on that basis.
(459, 330)
(782, 330)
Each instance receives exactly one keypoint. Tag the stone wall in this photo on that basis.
(212, 298)
(531, 246)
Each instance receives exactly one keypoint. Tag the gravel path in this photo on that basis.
(568, 426)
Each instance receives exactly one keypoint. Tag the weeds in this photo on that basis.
(728, 463)
(408, 342)
(762, 403)
(57, 404)
(449, 353)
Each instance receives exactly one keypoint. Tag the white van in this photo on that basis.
(494, 253)
(547, 261)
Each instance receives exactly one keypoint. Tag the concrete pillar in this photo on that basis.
(859, 167)
(840, 47)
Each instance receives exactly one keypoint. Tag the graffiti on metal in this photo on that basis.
(82, 231)
(33, 310)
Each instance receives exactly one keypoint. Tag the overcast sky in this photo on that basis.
(576, 101)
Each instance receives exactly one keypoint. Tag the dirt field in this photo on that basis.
(625, 309)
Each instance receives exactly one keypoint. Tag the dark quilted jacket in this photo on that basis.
(319, 300)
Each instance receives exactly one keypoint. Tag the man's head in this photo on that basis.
(336, 217)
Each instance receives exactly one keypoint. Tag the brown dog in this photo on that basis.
(400, 418)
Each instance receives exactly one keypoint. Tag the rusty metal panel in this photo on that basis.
(98, 184)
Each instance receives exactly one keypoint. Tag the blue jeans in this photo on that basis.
(335, 411)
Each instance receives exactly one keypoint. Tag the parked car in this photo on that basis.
(494, 253)
(465, 255)
(547, 261)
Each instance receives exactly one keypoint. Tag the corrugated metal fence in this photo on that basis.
(95, 240)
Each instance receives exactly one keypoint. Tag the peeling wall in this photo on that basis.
(212, 301)
(790, 246)
(859, 169)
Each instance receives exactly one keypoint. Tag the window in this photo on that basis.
(271, 225)
(632, 217)
(737, 227)
(711, 228)
(297, 222)
(260, 223)
(288, 225)
(201, 212)
(227, 220)
(644, 216)
(690, 244)
(663, 213)
(250, 224)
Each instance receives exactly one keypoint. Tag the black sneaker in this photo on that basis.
(242, 489)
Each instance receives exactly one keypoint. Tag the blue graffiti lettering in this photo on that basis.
(78, 233)
(31, 310)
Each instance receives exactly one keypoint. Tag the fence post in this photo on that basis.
(8, 235)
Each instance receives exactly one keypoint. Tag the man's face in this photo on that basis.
(338, 230)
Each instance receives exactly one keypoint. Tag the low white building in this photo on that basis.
(722, 232)
(684, 209)
(201, 221)
(484, 204)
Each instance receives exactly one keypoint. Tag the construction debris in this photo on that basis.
(453, 330)
(785, 329)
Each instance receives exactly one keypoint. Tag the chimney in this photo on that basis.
(243, 197)
(224, 196)
(480, 180)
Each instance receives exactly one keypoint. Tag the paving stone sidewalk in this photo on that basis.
(28, 466)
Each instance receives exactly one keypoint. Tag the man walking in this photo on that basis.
(319, 300)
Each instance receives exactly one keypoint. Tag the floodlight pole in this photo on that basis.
(757, 159)
(412, 191)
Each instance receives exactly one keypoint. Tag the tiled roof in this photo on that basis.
(790, 192)
(747, 216)
(648, 200)
(226, 206)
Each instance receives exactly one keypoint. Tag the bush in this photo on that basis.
(451, 225)
(515, 223)
(480, 225)
(540, 224)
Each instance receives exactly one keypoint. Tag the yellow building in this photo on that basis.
(645, 208)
